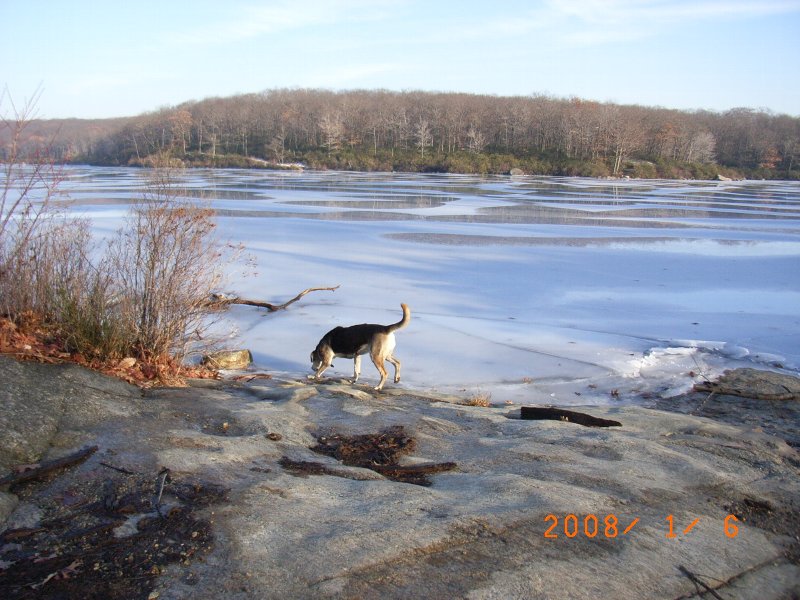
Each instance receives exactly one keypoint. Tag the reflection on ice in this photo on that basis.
(721, 247)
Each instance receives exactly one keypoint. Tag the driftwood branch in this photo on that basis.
(559, 414)
(119, 469)
(220, 301)
(48, 466)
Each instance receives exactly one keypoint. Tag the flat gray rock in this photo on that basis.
(754, 383)
(31, 409)
(764, 401)
(40, 401)
(532, 509)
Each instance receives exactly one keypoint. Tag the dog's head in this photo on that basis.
(318, 358)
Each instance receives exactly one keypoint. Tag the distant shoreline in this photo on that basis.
(245, 163)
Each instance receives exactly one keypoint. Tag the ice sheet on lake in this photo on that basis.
(531, 289)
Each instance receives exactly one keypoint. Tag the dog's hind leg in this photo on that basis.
(396, 362)
(377, 360)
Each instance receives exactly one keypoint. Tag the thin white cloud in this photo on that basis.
(605, 11)
(589, 22)
(286, 15)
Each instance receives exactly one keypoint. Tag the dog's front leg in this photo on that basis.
(356, 367)
(324, 366)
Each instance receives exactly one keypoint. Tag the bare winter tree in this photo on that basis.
(701, 148)
(423, 136)
(475, 140)
(181, 122)
(625, 135)
(332, 128)
(277, 145)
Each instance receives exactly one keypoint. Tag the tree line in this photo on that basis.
(445, 132)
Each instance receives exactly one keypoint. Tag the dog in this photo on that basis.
(353, 341)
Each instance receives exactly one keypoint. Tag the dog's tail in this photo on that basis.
(402, 322)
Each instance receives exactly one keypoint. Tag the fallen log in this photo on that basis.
(571, 416)
(48, 466)
(220, 300)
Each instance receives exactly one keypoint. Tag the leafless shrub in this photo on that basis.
(31, 229)
(47, 266)
(145, 295)
(166, 262)
(89, 316)
(45, 256)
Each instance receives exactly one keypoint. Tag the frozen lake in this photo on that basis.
(534, 289)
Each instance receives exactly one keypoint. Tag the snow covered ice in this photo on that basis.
(531, 289)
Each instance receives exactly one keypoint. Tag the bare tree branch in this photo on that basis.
(43, 468)
(220, 301)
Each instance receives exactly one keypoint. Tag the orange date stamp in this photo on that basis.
(610, 526)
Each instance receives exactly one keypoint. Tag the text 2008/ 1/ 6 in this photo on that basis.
(611, 526)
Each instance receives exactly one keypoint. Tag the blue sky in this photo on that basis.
(95, 59)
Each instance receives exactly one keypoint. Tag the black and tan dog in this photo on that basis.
(353, 341)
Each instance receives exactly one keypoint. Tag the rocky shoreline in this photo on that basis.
(196, 492)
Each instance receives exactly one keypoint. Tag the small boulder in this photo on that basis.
(228, 359)
(515, 172)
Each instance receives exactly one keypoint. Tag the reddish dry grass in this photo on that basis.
(32, 339)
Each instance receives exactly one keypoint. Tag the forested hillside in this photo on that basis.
(445, 132)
